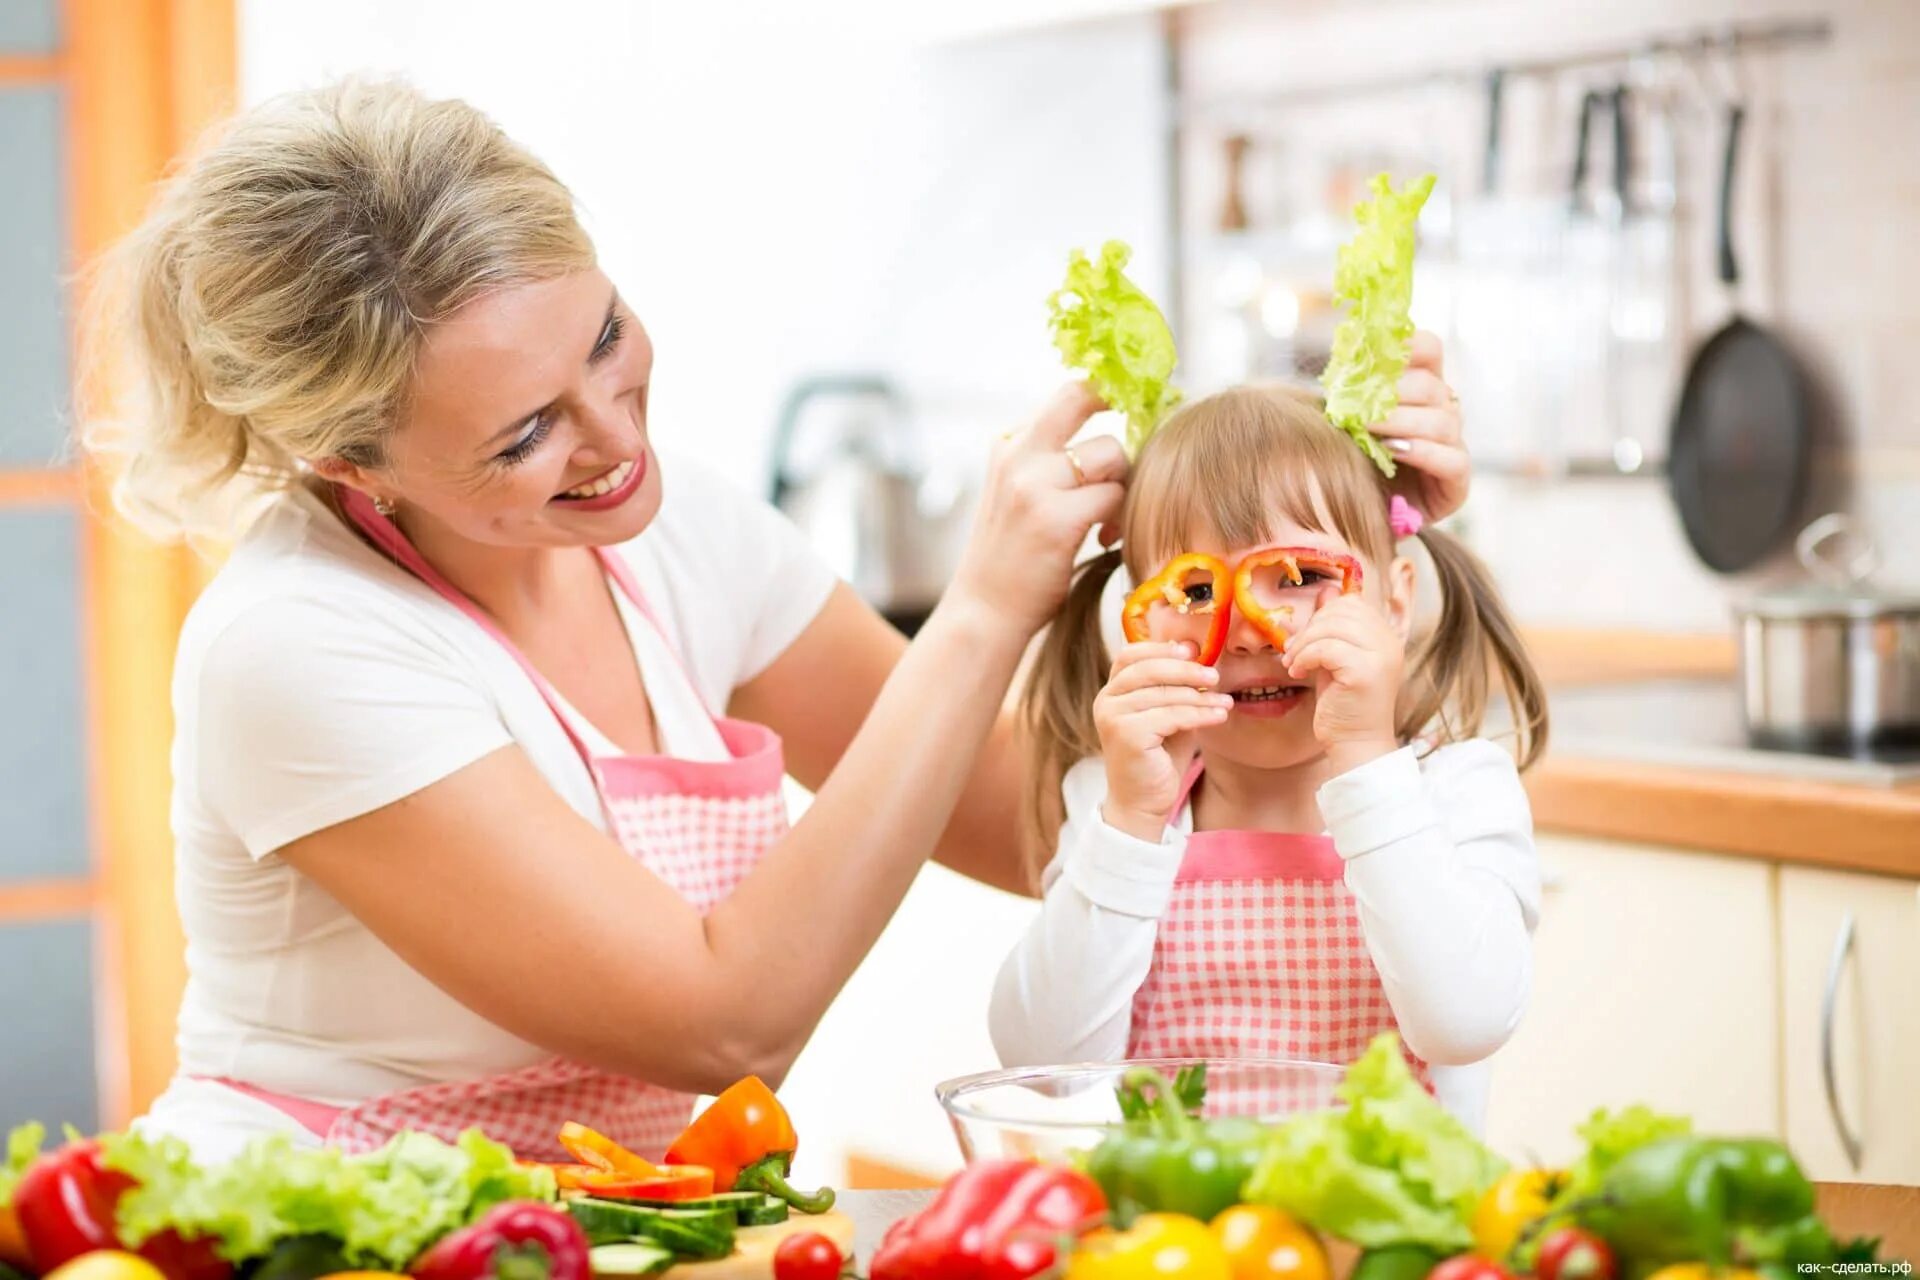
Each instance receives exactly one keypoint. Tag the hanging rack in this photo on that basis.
(1734, 38)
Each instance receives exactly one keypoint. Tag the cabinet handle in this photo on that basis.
(1842, 949)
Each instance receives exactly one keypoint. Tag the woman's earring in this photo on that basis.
(385, 506)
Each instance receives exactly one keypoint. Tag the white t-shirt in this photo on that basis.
(317, 681)
(1438, 852)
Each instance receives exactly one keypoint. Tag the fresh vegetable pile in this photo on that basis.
(1170, 1195)
(132, 1207)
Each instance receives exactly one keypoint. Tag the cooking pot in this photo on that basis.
(1832, 665)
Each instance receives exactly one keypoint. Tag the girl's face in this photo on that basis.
(527, 421)
(1271, 724)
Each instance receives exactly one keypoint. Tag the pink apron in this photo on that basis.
(1261, 955)
(701, 826)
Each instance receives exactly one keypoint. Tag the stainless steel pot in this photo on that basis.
(1834, 665)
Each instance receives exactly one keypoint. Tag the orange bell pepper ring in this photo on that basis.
(597, 1151)
(1273, 621)
(1174, 587)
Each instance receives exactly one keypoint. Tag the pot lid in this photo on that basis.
(1841, 561)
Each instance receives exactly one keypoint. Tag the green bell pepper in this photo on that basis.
(1722, 1201)
(1163, 1160)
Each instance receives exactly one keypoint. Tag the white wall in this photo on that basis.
(781, 192)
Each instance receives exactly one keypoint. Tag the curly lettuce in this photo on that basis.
(23, 1148)
(1392, 1167)
(383, 1207)
(1373, 276)
(1103, 323)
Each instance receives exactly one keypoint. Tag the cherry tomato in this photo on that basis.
(807, 1256)
(1568, 1253)
(1468, 1266)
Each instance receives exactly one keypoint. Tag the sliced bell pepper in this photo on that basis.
(674, 1182)
(1174, 587)
(748, 1141)
(597, 1151)
(1275, 621)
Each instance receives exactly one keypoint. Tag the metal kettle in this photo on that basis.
(863, 495)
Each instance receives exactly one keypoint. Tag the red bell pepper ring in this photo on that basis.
(1173, 586)
(65, 1205)
(518, 1240)
(995, 1220)
(1274, 622)
(673, 1182)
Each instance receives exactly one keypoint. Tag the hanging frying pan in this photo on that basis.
(1741, 445)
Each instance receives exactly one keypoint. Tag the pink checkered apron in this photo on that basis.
(1260, 955)
(701, 826)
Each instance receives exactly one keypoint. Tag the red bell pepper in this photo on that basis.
(996, 1220)
(1174, 587)
(65, 1203)
(518, 1240)
(1274, 621)
(747, 1139)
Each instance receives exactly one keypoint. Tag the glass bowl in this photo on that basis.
(1048, 1113)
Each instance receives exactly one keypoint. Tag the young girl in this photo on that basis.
(1287, 852)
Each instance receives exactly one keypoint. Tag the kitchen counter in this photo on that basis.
(1646, 746)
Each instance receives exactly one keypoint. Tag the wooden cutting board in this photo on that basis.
(752, 1256)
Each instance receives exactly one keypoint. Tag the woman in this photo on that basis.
(481, 727)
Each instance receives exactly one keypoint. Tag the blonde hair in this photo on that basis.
(271, 306)
(1222, 466)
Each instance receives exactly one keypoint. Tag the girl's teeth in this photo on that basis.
(604, 485)
(1264, 694)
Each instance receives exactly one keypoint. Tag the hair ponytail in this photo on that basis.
(1056, 704)
(1473, 642)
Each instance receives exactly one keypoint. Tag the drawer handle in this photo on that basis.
(1842, 949)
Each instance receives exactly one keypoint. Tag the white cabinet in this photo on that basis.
(1850, 982)
(1654, 982)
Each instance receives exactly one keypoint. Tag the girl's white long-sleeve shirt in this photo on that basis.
(1438, 851)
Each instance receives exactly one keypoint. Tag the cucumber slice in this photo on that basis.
(632, 1258)
(690, 1233)
(770, 1211)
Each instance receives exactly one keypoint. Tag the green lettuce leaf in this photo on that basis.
(1373, 275)
(1612, 1135)
(384, 1207)
(23, 1148)
(1102, 322)
(1393, 1167)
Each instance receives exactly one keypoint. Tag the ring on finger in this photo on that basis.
(1079, 472)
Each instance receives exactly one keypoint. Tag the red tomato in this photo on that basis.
(1568, 1253)
(1468, 1266)
(807, 1256)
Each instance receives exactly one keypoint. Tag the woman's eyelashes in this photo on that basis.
(542, 425)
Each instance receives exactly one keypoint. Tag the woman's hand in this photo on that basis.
(1156, 697)
(1034, 515)
(1354, 657)
(1423, 433)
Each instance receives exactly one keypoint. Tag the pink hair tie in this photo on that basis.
(1404, 518)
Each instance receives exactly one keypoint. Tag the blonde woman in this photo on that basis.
(482, 724)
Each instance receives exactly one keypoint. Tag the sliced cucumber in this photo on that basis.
(770, 1211)
(691, 1233)
(631, 1258)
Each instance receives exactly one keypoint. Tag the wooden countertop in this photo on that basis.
(1816, 821)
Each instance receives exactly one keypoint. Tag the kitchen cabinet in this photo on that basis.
(1850, 972)
(1654, 982)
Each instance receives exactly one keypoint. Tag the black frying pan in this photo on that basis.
(1741, 445)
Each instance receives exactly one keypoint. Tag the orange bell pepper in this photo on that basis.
(748, 1141)
(1273, 622)
(13, 1242)
(1173, 586)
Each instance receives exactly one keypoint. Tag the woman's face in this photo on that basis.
(527, 424)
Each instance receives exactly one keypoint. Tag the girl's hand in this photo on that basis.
(1423, 434)
(1155, 698)
(1355, 658)
(1035, 511)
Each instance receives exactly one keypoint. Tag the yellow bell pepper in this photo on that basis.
(1517, 1199)
(1702, 1271)
(1264, 1243)
(1159, 1246)
(107, 1264)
